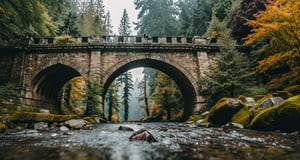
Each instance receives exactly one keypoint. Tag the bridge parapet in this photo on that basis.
(114, 39)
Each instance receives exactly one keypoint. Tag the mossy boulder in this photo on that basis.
(224, 110)
(284, 117)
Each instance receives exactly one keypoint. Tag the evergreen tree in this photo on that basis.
(124, 28)
(143, 86)
(200, 18)
(93, 91)
(126, 82)
(112, 99)
(69, 27)
(185, 16)
(156, 17)
(24, 19)
(227, 74)
(108, 24)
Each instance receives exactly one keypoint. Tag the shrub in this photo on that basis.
(65, 39)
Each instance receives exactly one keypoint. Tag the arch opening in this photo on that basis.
(47, 83)
(185, 85)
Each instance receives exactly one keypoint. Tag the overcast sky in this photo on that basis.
(116, 7)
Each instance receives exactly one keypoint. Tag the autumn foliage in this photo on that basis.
(280, 25)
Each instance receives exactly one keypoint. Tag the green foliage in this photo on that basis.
(108, 25)
(65, 39)
(156, 17)
(124, 28)
(227, 75)
(295, 90)
(71, 96)
(9, 93)
(255, 90)
(92, 99)
(91, 18)
(69, 26)
(185, 16)
(126, 81)
(167, 96)
(24, 19)
(113, 100)
(200, 18)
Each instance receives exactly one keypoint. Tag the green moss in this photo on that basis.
(195, 117)
(2, 127)
(223, 112)
(61, 118)
(242, 116)
(288, 114)
(40, 117)
(265, 119)
(89, 120)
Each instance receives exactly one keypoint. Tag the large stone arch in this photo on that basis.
(184, 79)
(46, 84)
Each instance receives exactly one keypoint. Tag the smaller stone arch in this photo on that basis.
(48, 82)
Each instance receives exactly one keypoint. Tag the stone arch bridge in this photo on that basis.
(40, 68)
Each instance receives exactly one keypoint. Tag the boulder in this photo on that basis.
(75, 123)
(142, 135)
(123, 128)
(41, 126)
(224, 110)
(269, 102)
(284, 117)
(64, 129)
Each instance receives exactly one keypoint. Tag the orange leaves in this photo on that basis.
(3, 12)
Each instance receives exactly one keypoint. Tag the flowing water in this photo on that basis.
(175, 141)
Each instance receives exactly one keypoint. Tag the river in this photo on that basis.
(175, 141)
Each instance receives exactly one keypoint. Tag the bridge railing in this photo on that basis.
(113, 39)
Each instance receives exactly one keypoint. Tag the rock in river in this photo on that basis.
(122, 128)
(75, 123)
(142, 135)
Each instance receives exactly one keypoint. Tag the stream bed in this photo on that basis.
(175, 141)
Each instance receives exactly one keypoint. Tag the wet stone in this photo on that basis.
(41, 126)
(142, 135)
(64, 129)
(123, 128)
(75, 123)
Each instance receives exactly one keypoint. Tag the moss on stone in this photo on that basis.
(62, 118)
(223, 111)
(265, 119)
(195, 117)
(40, 117)
(242, 116)
(288, 114)
(89, 120)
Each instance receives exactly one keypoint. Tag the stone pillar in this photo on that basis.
(95, 65)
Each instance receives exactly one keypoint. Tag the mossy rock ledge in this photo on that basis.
(40, 117)
(224, 110)
(284, 117)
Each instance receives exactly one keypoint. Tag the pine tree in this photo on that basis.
(69, 27)
(143, 86)
(200, 18)
(93, 91)
(124, 28)
(185, 16)
(126, 82)
(227, 74)
(108, 24)
(112, 99)
(156, 17)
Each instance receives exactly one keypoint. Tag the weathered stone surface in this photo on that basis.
(63, 128)
(269, 102)
(142, 135)
(123, 128)
(41, 126)
(75, 123)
